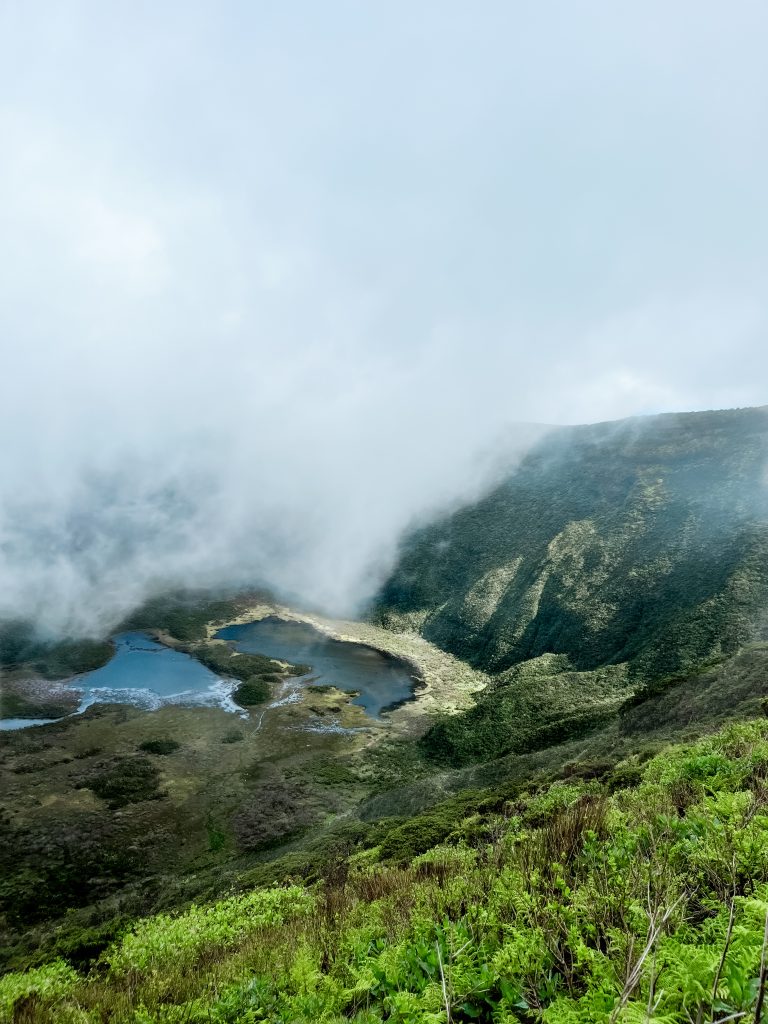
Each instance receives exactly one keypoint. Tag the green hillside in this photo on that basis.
(617, 559)
(644, 541)
(584, 842)
(642, 897)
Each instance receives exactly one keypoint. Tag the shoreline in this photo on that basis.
(35, 699)
(442, 683)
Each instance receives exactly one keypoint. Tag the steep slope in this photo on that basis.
(641, 543)
(636, 898)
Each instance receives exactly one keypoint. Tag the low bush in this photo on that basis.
(47, 984)
(276, 810)
(220, 658)
(233, 736)
(184, 616)
(255, 690)
(123, 780)
(165, 940)
(161, 747)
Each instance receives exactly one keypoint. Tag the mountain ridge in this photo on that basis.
(617, 560)
(536, 566)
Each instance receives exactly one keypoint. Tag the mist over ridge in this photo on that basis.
(383, 512)
(275, 285)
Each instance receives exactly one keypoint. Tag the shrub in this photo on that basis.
(276, 811)
(233, 736)
(123, 780)
(184, 616)
(415, 836)
(164, 940)
(222, 659)
(254, 691)
(48, 983)
(64, 862)
(583, 906)
(161, 747)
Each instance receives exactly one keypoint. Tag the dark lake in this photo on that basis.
(381, 680)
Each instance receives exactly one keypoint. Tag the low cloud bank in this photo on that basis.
(275, 284)
(213, 485)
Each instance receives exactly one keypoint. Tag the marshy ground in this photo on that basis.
(121, 810)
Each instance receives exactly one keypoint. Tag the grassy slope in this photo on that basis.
(104, 824)
(536, 907)
(109, 815)
(619, 557)
(118, 812)
(615, 589)
(642, 542)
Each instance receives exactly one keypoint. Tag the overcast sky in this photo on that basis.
(277, 270)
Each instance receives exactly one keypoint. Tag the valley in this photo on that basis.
(530, 663)
(146, 794)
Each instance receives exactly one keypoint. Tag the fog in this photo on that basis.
(279, 280)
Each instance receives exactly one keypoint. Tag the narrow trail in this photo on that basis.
(291, 691)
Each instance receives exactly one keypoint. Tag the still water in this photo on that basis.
(382, 681)
(148, 674)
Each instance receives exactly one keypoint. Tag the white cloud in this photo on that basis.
(127, 245)
(271, 277)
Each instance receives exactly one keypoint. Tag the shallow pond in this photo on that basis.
(382, 681)
(146, 674)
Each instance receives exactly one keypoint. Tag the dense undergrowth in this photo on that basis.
(582, 901)
(504, 867)
(184, 615)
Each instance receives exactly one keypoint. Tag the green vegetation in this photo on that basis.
(123, 780)
(568, 902)
(585, 842)
(67, 863)
(98, 828)
(531, 706)
(233, 736)
(254, 691)
(253, 669)
(278, 809)
(151, 943)
(185, 616)
(160, 747)
(21, 648)
(72, 657)
(222, 659)
(14, 704)
(619, 560)
(643, 542)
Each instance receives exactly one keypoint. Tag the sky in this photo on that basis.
(279, 279)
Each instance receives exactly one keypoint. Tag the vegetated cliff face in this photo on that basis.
(642, 542)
